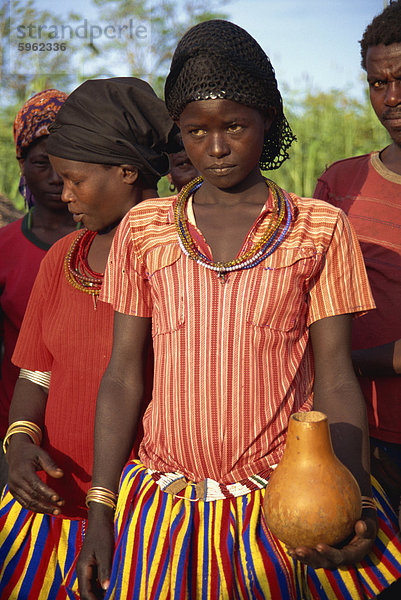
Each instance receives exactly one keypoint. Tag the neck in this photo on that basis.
(148, 193)
(250, 192)
(44, 218)
(391, 158)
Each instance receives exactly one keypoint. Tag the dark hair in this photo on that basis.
(384, 29)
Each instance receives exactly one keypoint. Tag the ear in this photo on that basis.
(269, 118)
(130, 174)
(21, 162)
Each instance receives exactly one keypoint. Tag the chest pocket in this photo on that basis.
(279, 291)
(166, 282)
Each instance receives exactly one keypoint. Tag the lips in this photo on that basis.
(220, 169)
(77, 216)
(392, 118)
(390, 115)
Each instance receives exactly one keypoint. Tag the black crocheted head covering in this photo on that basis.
(115, 121)
(217, 59)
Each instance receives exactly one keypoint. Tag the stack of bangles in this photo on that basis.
(27, 427)
(368, 502)
(102, 496)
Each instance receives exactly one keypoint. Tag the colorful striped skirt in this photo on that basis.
(36, 552)
(177, 548)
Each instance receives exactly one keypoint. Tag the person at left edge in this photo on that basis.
(108, 145)
(25, 242)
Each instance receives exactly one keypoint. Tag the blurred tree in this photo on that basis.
(138, 35)
(152, 32)
(27, 66)
(329, 126)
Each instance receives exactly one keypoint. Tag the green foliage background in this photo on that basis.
(329, 126)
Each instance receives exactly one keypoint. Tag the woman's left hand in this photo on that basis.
(327, 557)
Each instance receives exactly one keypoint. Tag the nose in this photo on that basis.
(393, 93)
(66, 194)
(219, 146)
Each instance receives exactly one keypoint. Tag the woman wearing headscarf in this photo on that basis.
(109, 145)
(25, 242)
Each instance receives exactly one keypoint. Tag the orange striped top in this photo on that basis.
(232, 360)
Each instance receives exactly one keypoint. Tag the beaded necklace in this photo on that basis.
(77, 269)
(269, 241)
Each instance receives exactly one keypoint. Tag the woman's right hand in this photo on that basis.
(95, 559)
(24, 460)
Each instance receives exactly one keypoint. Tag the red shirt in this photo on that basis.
(370, 195)
(232, 360)
(21, 253)
(63, 333)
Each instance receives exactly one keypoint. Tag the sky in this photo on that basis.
(313, 44)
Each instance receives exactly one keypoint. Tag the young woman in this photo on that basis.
(109, 145)
(25, 242)
(249, 293)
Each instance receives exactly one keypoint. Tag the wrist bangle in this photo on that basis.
(28, 427)
(102, 496)
(368, 502)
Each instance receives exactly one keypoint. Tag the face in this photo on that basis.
(182, 170)
(41, 178)
(96, 196)
(383, 67)
(224, 140)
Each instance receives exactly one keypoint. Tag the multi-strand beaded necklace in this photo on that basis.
(77, 269)
(269, 241)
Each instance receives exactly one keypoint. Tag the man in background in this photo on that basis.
(368, 189)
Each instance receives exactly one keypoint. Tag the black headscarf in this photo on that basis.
(217, 59)
(115, 121)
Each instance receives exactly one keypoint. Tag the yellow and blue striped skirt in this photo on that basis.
(175, 548)
(36, 552)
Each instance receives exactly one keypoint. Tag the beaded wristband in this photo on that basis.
(368, 502)
(28, 427)
(102, 496)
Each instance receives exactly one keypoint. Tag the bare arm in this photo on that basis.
(378, 361)
(25, 458)
(337, 394)
(117, 413)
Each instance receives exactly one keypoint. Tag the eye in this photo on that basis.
(377, 84)
(197, 132)
(41, 163)
(234, 128)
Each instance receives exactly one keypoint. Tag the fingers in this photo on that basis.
(89, 587)
(321, 557)
(48, 465)
(95, 559)
(327, 557)
(25, 485)
(37, 497)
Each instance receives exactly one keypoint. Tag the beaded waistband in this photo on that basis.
(209, 490)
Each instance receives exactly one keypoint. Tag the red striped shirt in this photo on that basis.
(232, 360)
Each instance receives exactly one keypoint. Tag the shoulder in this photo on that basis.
(149, 223)
(10, 231)
(59, 249)
(315, 210)
(346, 166)
(155, 210)
(315, 222)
